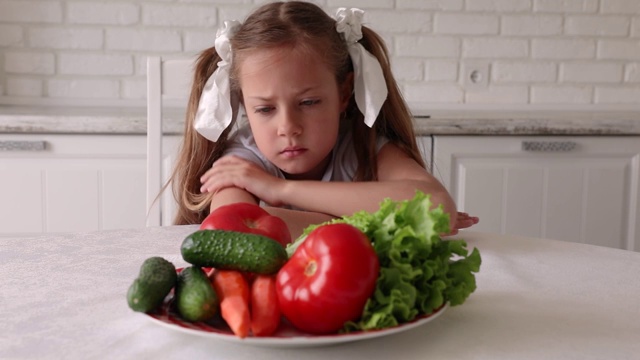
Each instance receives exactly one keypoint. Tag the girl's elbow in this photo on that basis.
(440, 196)
(451, 209)
(448, 206)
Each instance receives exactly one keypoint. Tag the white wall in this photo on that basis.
(530, 52)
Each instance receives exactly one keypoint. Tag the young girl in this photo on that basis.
(328, 131)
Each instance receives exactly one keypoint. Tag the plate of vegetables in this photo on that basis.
(354, 278)
(286, 335)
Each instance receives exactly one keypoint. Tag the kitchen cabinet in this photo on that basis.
(582, 188)
(64, 183)
(579, 188)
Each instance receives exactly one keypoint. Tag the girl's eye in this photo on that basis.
(263, 110)
(309, 102)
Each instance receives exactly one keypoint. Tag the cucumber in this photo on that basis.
(195, 297)
(232, 250)
(156, 279)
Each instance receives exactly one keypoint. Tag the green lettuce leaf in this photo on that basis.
(419, 271)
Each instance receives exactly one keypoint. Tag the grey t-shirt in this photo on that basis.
(342, 167)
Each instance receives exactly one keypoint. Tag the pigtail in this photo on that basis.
(196, 154)
(395, 121)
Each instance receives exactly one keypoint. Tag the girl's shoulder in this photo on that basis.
(242, 134)
(345, 142)
(345, 159)
(242, 144)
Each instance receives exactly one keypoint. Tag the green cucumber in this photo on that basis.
(195, 297)
(232, 250)
(156, 279)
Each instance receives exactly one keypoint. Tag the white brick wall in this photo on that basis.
(563, 49)
(591, 73)
(30, 12)
(495, 48)
(499, 5)
(83, 88)
(29, 63)
(97, 13)
(439, 5)
(441, 71)
(632, 73)
(24, 87)
(524, 72)
(499, 94)
(466, 24)
(10, 35)
(532, 25)
(47, 37)
(179, 15)
(597, 25)
(566, 6)
(555, 52)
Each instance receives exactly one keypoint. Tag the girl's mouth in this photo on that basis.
(293, 151)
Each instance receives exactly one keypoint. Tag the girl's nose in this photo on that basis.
(289, 124)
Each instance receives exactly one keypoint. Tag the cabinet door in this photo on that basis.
(64, 183)
(580, 189)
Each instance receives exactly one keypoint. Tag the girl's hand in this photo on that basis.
(232, 171)
(463, 220)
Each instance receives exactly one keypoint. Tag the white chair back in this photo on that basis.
(168, 86)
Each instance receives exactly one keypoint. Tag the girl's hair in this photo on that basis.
(307, 27)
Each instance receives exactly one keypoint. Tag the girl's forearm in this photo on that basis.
(345, 198)
(298, 220)
(231, 195)
(324, 201)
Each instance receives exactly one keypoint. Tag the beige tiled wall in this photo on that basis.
(527, 52)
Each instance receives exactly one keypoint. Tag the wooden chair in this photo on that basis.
(168, 87)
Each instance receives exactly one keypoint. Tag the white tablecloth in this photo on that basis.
(64, 296)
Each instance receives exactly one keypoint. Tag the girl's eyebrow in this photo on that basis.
(266, 98)
(261, 98)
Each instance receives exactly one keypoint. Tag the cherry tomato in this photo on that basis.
(328, 279)
(248, 218)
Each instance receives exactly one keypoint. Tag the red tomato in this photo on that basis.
(248, 218)
(328, 279)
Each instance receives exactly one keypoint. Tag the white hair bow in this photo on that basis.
(370, 87)
(217, 108)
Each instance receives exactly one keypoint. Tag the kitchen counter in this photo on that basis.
(57, 120)
(531, 122)
(85, 120)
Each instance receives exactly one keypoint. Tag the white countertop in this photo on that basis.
(63, 296)
(85, 120)
(531, 122)
(93, 120)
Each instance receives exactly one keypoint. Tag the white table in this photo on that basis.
(63, 296)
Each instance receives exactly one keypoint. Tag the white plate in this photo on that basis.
(285, 337)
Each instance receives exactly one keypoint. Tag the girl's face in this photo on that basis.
(293, 103)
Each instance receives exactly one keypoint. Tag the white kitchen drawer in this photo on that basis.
(581, 189)
(68, 183)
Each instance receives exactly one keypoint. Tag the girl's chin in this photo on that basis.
(301, 170)
(294, 175)
(299, 174)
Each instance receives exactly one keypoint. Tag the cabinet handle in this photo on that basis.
(549, 146)
(24, 145)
